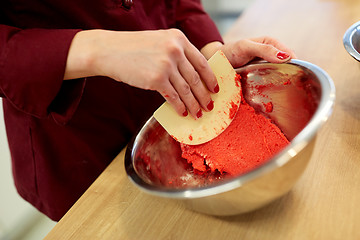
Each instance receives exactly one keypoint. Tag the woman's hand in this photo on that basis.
(162, 60)
(243, 51)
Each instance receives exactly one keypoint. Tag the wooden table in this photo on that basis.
(324, 204)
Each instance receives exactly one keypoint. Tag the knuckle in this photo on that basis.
(156, 80)
(157, 77)
(175, 41)
(185, 89)
(177, 33)
(268, 48)
(195, 80)
(173, 48)
(203, 64)
(263, 39)
(173, 97)
(165, 65)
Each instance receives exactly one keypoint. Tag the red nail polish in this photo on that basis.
(199, 114)
(282, 55)
(210, 106)
(216, 89)
(185, 113)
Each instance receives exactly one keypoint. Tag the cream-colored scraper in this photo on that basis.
(226, 103)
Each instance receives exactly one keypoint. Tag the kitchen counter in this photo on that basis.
(324, 203)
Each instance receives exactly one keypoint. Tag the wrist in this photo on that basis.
(82, 55)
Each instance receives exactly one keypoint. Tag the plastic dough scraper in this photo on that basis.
(226, 103)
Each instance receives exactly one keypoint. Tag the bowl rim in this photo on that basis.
(347, 40)
(299, 142)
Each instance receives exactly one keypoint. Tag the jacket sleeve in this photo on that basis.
(32, 66)
(197, 25)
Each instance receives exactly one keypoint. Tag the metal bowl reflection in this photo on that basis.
(351, 40)
(302, 95)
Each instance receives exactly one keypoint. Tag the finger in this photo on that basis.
(277, 44)
(185, 94)
(201, 66)
(267, 52)
(198, 89)
(280, 45)
(172, 97)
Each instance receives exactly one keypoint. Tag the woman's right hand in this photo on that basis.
(161, 60)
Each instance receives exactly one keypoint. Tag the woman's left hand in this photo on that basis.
(243, 51)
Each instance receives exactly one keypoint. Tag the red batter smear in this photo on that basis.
(238, 80)
(249, 141)
(190, 137)
(268, 107)
(287, 82)
(233, 110)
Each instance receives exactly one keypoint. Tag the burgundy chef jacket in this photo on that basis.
(62, 134)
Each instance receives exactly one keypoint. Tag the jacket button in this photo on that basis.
(128, 3)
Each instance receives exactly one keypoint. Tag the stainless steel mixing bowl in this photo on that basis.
(302, 95)
(351, 40)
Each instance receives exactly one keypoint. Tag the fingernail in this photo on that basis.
(216, 89)
(210, 106)
(199, 114)
(282, 55)
(185, 113)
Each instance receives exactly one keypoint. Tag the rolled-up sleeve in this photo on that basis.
(196, 23)
(32, 67)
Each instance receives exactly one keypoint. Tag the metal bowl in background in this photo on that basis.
(302, 95)
(351, 40)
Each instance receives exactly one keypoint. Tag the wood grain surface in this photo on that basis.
(324, 204)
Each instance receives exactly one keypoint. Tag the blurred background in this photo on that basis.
(225, 12)
(18, 219)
